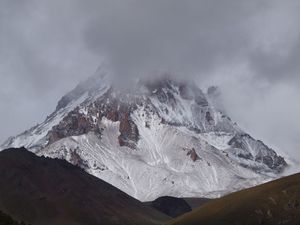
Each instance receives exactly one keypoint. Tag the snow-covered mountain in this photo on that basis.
(162, 137)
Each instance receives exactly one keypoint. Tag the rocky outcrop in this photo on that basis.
(192, 153)
(80, 121)
(72, 125)
(129, 133)
(76, 159)
(208, 117)
(258, 152)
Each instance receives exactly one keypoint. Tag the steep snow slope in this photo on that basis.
(161, 138)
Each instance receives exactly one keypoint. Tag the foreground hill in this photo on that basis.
(43, 191)
(7, 220)
(161, 138)
(273, 203)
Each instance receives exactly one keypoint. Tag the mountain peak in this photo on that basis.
(143, 138)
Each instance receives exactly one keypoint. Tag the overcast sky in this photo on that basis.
(250, 49)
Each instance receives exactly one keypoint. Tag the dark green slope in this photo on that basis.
(44, 191)
(273, 203)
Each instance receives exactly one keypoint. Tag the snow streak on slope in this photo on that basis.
(163, 138)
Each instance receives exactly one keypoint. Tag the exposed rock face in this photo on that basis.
(76, 159)
(81, 121)
(208, 117)
(260, 152)
(129, 131)
(192, 153)
(72, 125)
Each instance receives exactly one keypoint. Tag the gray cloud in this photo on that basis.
(42, 55)
(189, 37)
(250, 49)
